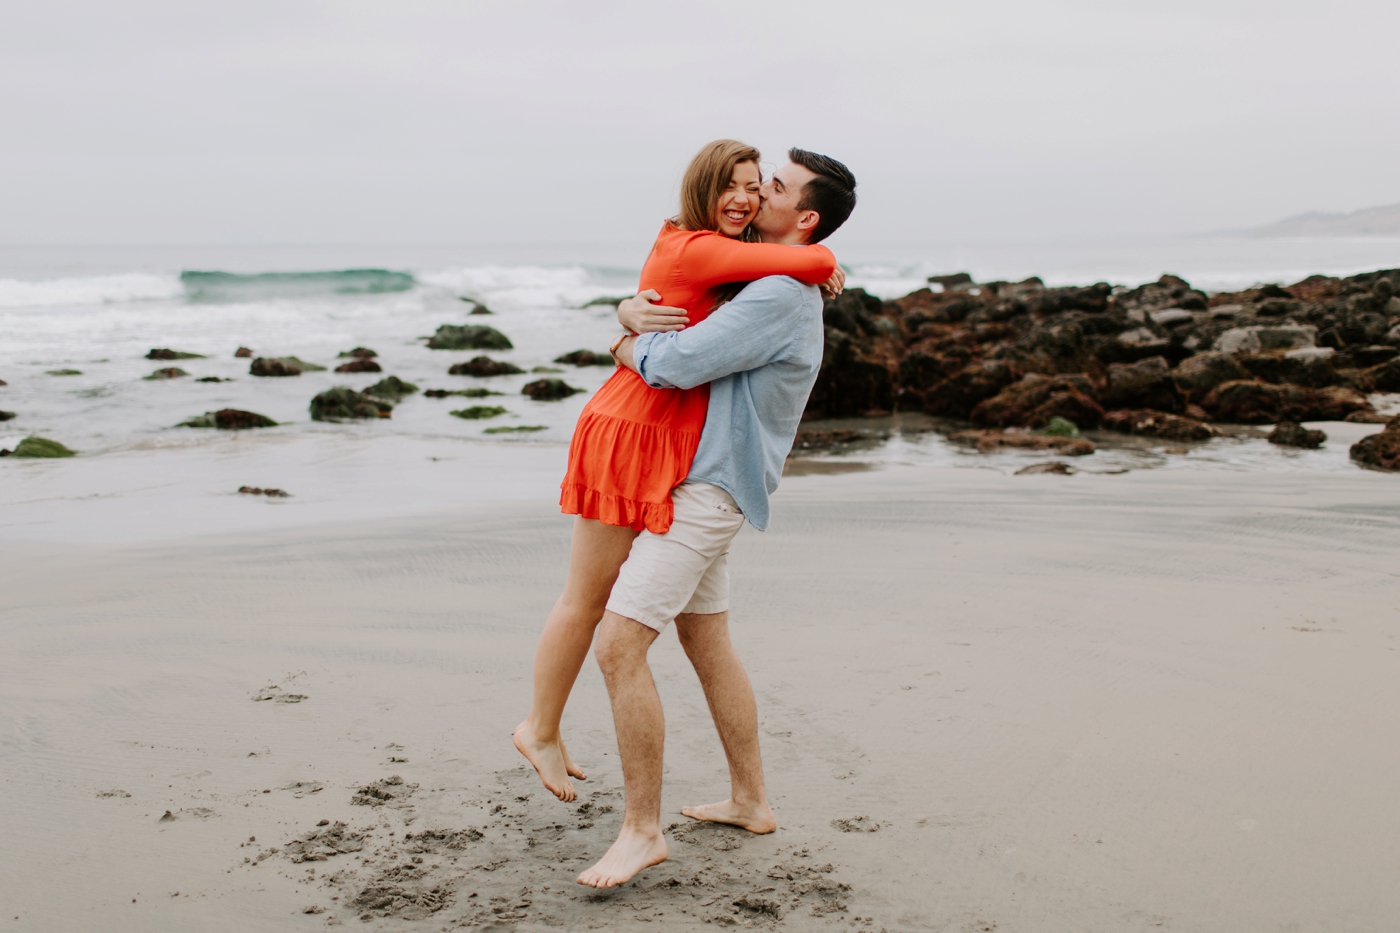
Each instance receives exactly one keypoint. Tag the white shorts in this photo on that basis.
(687, 568)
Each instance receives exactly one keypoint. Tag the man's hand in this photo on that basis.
(834, 285)
(640, 316)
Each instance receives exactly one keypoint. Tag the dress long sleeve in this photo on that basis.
(710, 260)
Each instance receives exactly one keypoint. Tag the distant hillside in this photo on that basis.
(1373, 221)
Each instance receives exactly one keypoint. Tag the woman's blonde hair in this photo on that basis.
(707, 178)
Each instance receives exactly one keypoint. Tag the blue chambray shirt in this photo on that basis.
(760, 353)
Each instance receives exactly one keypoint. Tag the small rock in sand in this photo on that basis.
(242, 353)
(41, 447)
(1292, 434)
(359, 353)
(360, 366)
(165, 354)
(271, 494)
(169, 372)
(1054, 466)
(229, 419)
(63, 372)
(7, 415)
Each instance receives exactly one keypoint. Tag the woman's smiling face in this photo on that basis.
(740, 201)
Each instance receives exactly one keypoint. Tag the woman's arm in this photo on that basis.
(714, 259)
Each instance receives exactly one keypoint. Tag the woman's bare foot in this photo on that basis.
(756, 818)
(632, 852)
(574, 770)
(548, 759)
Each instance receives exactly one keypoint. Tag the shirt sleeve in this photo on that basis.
(754, 329)
(715, 259)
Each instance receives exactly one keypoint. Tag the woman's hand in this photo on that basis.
(834, 285)
(640, 316)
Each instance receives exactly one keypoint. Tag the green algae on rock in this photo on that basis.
(477, 412)
(343, 404)
(516, 429)
(469, 337)
(41, 447)
(549, 390)
(63, 372)
(392, 388)
(166, 354)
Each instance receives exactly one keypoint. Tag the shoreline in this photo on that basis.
(1197, 669)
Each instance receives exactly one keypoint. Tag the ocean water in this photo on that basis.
(98, 310)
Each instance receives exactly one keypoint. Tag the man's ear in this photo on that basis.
(807, 221)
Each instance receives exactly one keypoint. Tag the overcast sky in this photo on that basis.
(475, 122)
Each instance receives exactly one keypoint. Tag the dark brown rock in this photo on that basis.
(958, 395)
(242, 353)
(1380, 451)
(853, 379)
(1146, 423)
(1293, 434)
(166, 354)
(1147, 383)
(1243, 401)
(586, 358)
(363, 365)
(1028, 403)
(1386, 376)
(1197, 375)
(484, 366)
(359, 353)
(1056, 467)
(267, 366)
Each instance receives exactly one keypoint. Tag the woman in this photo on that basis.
(633, 443)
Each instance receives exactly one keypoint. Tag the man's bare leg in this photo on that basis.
(641, 736)
(595, 556)
(730, 695)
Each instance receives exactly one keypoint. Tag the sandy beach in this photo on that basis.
(1157, 700)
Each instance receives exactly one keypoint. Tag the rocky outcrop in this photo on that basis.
(164, 354)
(1168, 427)
(548, 390)
(484, 366)
(945, 352)
(585, 358)
(1293, 434)
(229, 419)
(469, 337)
(345, 404)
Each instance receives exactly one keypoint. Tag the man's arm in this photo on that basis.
(753, 329)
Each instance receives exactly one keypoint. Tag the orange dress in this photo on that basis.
(634, 444)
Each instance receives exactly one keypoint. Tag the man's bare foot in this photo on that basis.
(756, 818)
(574, 770)
(632, 852)
(548, 761)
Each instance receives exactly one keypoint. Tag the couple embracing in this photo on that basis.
(683, 443)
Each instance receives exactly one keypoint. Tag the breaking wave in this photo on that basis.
(235, 286)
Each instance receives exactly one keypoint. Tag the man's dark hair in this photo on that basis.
(832, 194)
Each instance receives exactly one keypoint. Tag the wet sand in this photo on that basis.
(1043, 703)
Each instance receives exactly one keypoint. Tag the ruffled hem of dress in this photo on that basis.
(655, 517)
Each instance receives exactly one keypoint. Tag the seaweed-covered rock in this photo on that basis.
(1293, 434)
(1196, 375)
(392, 388)
(345, 404)
(166, 354)
(484, 366)
(1145, 384)
(469, 337)
(850, 312)
(1147, 423)
(7, 416)
(1380, 451)
(282, 366)
(229, 419)
(359, 353)
(585, 358)
(169, 372)
(548, 390)
(477, 412)
(63, 372)
(41, 447)
(361, 365)
(466, 393)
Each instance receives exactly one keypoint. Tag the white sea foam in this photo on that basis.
(88, 290)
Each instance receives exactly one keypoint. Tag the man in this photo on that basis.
(760, 353)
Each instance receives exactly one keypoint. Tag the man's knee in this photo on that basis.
(621, 641)
(702, 634)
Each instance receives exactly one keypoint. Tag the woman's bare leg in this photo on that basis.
(595, 556)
